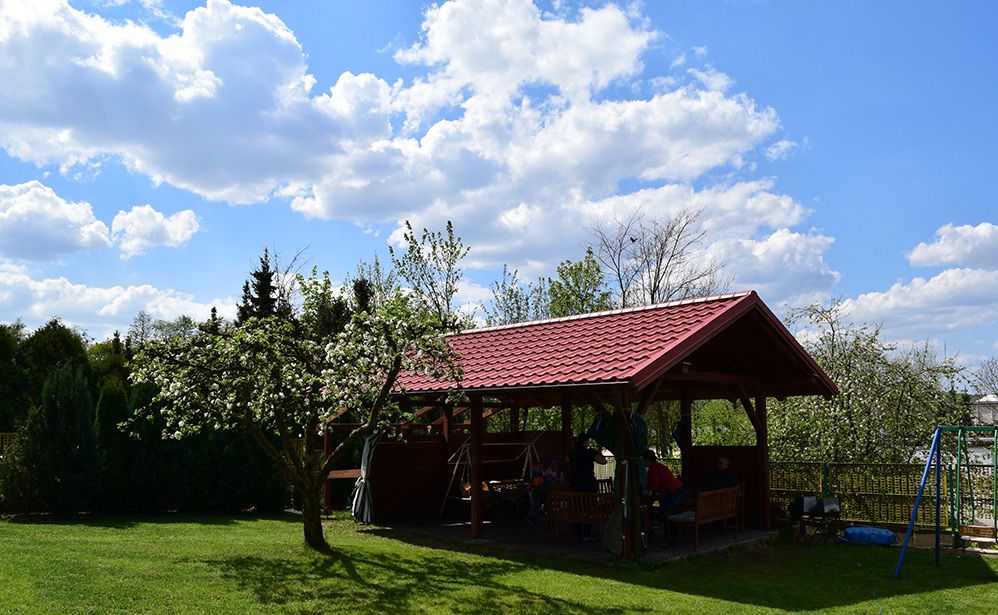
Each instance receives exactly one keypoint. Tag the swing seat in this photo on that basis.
(978, 533)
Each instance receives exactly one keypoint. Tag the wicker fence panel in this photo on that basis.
(869, 493)
(6, 442)
(976, 493)
(789, 480)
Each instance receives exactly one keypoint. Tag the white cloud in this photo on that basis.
(99, 310)
(781, 150)
(512, 129)
(494, 46)
(222, 108)
(36, 223)
(712, 78)
(954, 299)
(784, 267)
(971, 246)
(143, 227)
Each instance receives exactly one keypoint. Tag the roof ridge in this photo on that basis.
(640, 308)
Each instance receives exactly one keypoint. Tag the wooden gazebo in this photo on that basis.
(723, 347)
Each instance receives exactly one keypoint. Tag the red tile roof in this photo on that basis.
(605, 347)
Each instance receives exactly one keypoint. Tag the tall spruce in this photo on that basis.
(260, 294)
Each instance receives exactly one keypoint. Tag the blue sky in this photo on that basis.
(150, 150)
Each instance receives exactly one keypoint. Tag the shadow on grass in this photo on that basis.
(397, 580)
(780, 574)
(124, 522)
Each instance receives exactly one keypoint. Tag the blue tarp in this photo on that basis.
(867, 536)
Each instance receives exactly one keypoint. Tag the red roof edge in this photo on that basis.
(639, 308)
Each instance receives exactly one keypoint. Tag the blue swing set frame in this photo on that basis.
(935, 455)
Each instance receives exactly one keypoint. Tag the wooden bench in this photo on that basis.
(578, 507)
(720, 505)
(586, 507)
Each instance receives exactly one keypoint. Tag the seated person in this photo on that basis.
(537, 489)
(663, 485)
(583, 478)
(723, 477)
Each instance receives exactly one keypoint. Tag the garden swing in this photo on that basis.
(461, 460)
(961, 532)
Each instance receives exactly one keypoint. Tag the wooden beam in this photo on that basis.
(749, 409)
(712, 377)
(492, 411)
(477, 432)
(450, 413)
(648, 396)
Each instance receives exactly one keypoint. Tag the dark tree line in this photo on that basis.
(67, 399)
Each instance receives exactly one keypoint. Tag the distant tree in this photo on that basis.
(52, 467)
(263, 293)
(182, 326)
(430, 266)
(13, 393)
(579, 288)
(114, 449)
(382, 281)
(985, 377)
(214, 324)
(326, 313)
(108, 361)
(890, 398)
(514, 302)
(142, 329)
(652, 261)
(45, 351)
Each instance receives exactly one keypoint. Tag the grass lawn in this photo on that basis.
(243, 565)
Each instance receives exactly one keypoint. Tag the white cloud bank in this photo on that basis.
(521, 127)
(973, 246)
(99, 310)
(143, 227)
(38, 224)
(964, 297)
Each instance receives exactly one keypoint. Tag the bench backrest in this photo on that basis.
(580, 506)
(716, 505)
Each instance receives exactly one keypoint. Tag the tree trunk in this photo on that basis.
(312, 518)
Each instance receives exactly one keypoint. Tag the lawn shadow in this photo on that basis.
(398, 581)
(780, 574)
(128, 521)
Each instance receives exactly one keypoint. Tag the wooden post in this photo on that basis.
(762, 447)
(514, 417)
(448, 414)
(566, 423)
(685, 439)
(630, 548)
(477, 431)
(327, 450)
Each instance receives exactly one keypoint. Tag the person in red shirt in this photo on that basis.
(662, 484)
